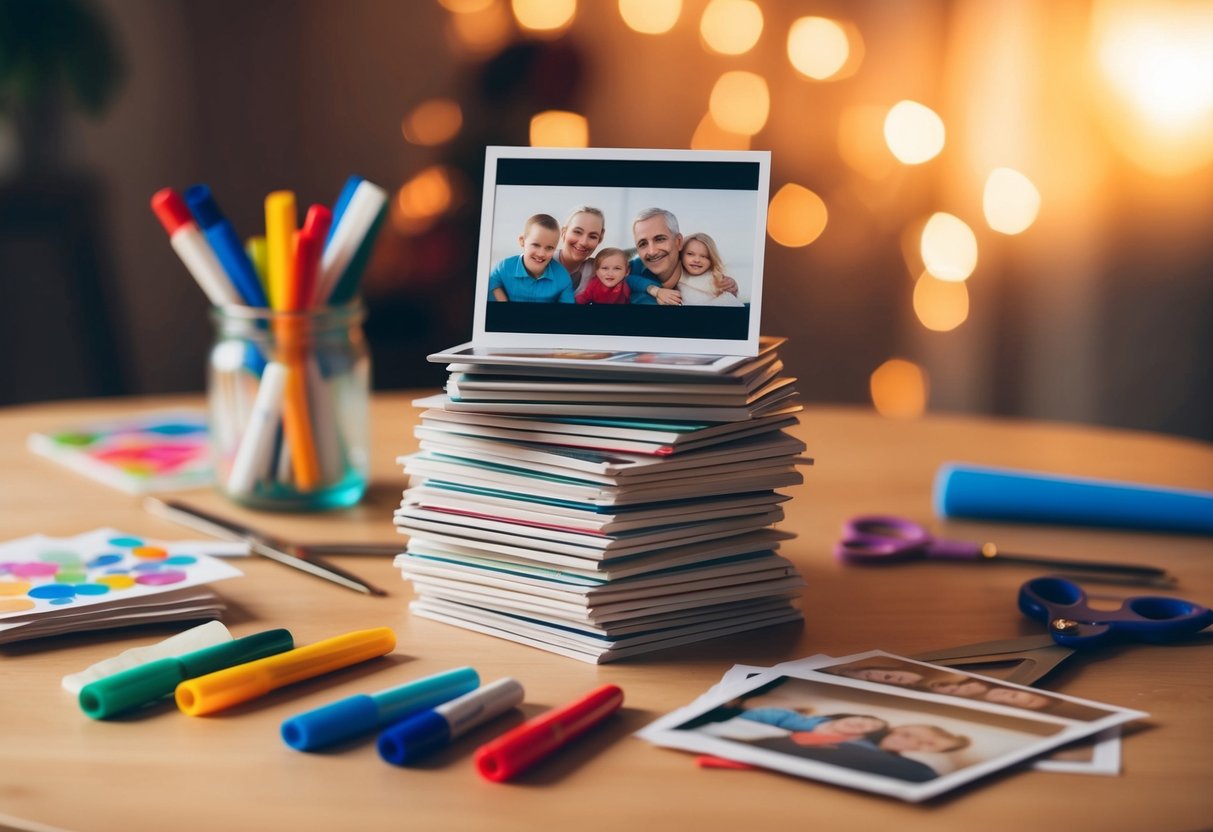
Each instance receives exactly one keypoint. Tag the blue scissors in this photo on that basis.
(1073, 624)
(880, 539)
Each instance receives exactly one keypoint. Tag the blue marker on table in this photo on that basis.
(228, 248)
(408, 741)
(347, 718)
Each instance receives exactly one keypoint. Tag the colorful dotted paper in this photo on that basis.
(41, 574)
(150, 452)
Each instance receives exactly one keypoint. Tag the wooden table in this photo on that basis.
(161, 770)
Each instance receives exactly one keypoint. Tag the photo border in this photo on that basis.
(664, 163)
(667, 731)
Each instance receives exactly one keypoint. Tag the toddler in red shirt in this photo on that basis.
(608, 284)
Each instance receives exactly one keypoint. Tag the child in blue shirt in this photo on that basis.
(533, 275)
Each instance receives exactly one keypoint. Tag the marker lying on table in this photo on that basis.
(519, 749)
(347, 718)
(225, 688)
(410, 740)
(187, 641)
(155, 680)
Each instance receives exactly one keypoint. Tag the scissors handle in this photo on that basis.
(879, 538)
(1062, 605)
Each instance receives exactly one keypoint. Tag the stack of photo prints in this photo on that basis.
(601, 477)
(891, 725)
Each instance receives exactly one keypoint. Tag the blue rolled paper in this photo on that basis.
(970, 491)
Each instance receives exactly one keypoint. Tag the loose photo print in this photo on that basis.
(851, 732)
(890, 671)
(652, 251)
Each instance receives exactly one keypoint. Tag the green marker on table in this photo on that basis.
(149, 682)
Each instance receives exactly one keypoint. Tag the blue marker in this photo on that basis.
(347, 718)
(343, 201)
(222, 237)
(410, 740)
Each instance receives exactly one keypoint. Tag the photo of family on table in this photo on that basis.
(655, 264)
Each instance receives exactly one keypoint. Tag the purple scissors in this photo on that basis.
(879, 539)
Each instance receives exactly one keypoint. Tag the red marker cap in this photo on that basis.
(318, 220)
(170, 209)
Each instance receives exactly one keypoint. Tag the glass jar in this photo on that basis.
(289, 401)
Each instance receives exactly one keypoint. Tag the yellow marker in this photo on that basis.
(281, 223)
(293, 336)
(233, 685)
(256, 250)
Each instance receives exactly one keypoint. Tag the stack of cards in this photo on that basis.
(603, 505)
(105, 578)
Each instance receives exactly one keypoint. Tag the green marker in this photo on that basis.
(155, 680)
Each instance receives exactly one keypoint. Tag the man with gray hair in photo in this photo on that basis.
(654, 272)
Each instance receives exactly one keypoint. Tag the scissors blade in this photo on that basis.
(263, 544)
(1036, 656)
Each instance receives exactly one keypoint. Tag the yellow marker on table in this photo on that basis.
(231, 686)
(281, 222)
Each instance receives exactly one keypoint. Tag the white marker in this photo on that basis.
(351, 229)
(252, 460)
(193, 249)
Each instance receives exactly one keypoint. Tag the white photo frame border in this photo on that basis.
(666, 731)
(484, 337)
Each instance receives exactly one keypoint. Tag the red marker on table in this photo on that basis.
(519, 749)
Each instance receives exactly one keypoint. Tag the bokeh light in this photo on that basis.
(432, 122)
(559, 128)
(731, 27)
(899, 389)
(482, 31)
(861, 141)
(740, 102)
(1157, 59)
(949, 247)
(1010, 201)
(650, 17)
(818, 47)
(423, 199)
(941, 305)
(914, 132)
(465, 6)
(709, 136)
(544, 17)
(796, 216)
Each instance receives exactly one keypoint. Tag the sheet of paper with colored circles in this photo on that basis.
(104, 571)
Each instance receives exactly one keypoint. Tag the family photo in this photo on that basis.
(567, 263)
(893, 671)
(593, 252)
(871, 725)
